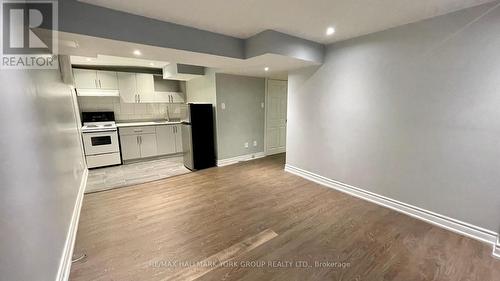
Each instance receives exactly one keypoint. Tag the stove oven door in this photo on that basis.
(100, 143)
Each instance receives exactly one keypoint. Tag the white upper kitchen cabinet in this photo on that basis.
(107, 80)
(136, 87)
(128, 87)
(145, 87)
(169, 97)
(90, 82)
(168, 91)
(165, 138)
(85, 78)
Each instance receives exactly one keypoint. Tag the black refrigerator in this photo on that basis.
(198, 139)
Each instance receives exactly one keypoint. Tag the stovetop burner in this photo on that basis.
(98, 127)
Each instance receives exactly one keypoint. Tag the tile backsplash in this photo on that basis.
(130, 111)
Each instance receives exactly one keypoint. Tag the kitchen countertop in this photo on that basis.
(145, 123)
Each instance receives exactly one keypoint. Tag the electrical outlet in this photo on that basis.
(246, 145)
(223, 105)
(262, 104)
(254, 143)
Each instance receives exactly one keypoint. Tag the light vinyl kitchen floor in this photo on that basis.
(134, 173)
(254, 221)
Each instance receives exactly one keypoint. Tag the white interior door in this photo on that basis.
(276, 116)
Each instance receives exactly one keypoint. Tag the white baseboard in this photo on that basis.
(242, 158)
(454, 225)
(496, 249)
(65, 266)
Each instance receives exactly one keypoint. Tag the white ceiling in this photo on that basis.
(303, 18)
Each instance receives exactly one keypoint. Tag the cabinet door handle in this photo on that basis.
(137, 130)
(139, 97)
(135, 98)
(137, 139)
(100, 83)
(140, 138)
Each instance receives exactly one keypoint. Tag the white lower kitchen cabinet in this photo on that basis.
(178, 139)
(149, 141)
(169, 139)
(148, 145)
(130, 147)
(165, 138)
(138, 142)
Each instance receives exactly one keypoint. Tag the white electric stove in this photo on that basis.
(100, 139)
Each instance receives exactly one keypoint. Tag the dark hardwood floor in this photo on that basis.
(253, 221)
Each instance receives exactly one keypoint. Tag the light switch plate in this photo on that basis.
(246, 145)
(223, 105)
(262, 104)
(254, 143)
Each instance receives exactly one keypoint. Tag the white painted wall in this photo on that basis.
(130, 111)
(202, 89)
(412, 113)
(41, 169)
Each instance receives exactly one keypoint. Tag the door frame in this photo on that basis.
(265, 111)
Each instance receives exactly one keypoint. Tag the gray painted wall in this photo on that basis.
(412, 113)
(41, 167)
(87, 19)
(243, 119)
(82, 18)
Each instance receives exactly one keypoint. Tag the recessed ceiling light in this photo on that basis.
(151, 64)
(266, 68)
(88, 59)
(137, 53)
(330, 31)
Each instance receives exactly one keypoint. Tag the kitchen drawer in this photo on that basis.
(137, 130)
(101, 160)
